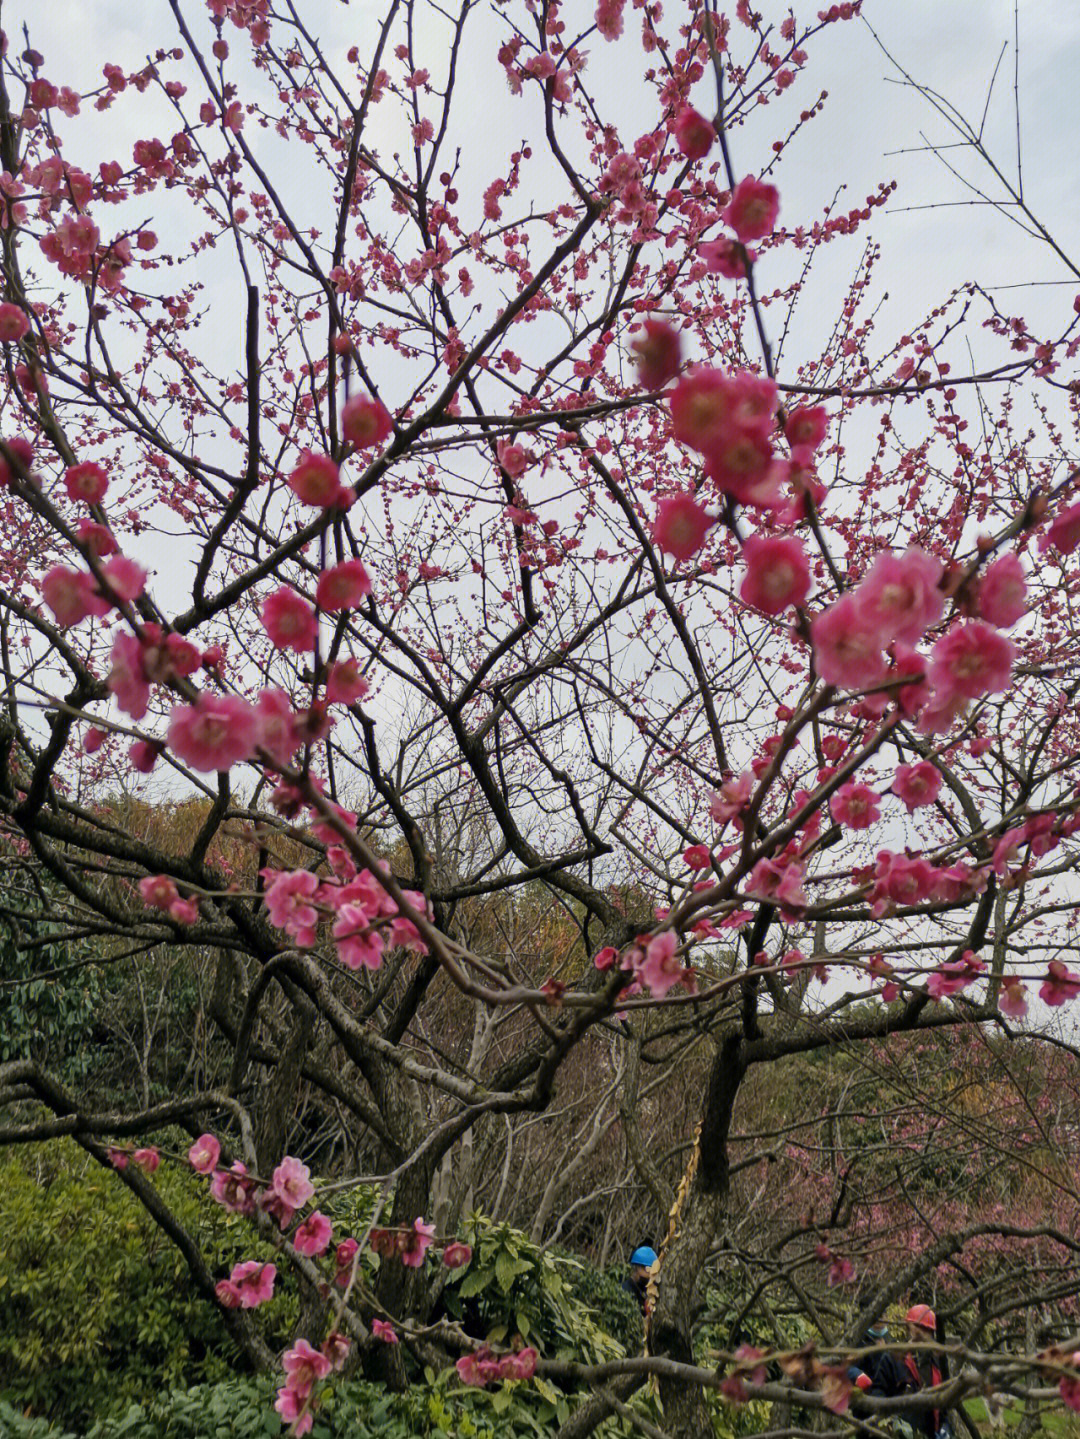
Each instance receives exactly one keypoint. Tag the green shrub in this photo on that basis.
(520, 1289)
(97, 1308)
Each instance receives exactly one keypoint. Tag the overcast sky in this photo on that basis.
(949, 45)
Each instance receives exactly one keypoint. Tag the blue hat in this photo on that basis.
(644, 1256)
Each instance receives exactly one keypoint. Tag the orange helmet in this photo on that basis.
(923, 1316)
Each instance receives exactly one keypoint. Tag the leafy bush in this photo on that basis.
(355, 1409)
(97, 1309)
(520, 1289)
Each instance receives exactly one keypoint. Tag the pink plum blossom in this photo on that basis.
(917, 784)
(291, 1182)
(806, 426)
(694, 135)
(204, 1154)
(343, 587)
(661, 967)
(254, 1282)
(365, 422)
(899, 597)
(855, 805)
(304, 1366)
(384, 1331)
(1063, 533)
(315, 480)
(1012, 997)
(290, 1406)
(288, 902)
(14, 324)
(972, 659)
(1061, 984)
(777, 573)
(289, 620)
(725, 256)
(456, 1254)
(681, 526)
(731, 798)
(72, 595)
(234, 1189)
(753, 210)
(657, 348)
(847, 646)
(416, 1243)
(214, 733)
(1002, 593)
(345, 684)
(87, 482)
(314, 1234)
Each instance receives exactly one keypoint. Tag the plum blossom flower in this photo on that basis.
(214, 733)
(901, 879)
(855, 805)
(1063, 534)
(777, 573)
(234, 1189)
(204, 1154)
(661, 968)
(291, 1182)
(681, 525)
(253, 1282)
(344, 682)
(806, 426)
(316, 480)
(14, 324)
(657, 348)
(694, 135)
(1002, 593)
(1012, 997)
(1061, 984)
(357, 944)
(289, 620)
(290, 1406)
(609, 18)
(314, 1234)
(384, 1331)
(847, 646)
(899, 597)
(732, 797)
(72, 595)
(725, 256)
(416, 1243)
(917, 784)
(954, 976)
(288, 903)
(365, 422)
(304, 1367)
(22, 452)
(971, 660)
(521, 1365)
(87, 482)
(147, 1159)
(343, 587)
(753, 210)
(456, 1254)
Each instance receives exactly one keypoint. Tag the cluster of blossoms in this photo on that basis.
(653, 961)
(305, 1367)
(896, 602)
(365, 918)
(251, 1282)
(482, 1367)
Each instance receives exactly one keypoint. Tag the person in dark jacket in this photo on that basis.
(637, 1281)
(900, 1373)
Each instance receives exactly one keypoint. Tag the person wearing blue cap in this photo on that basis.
(637, 1282)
